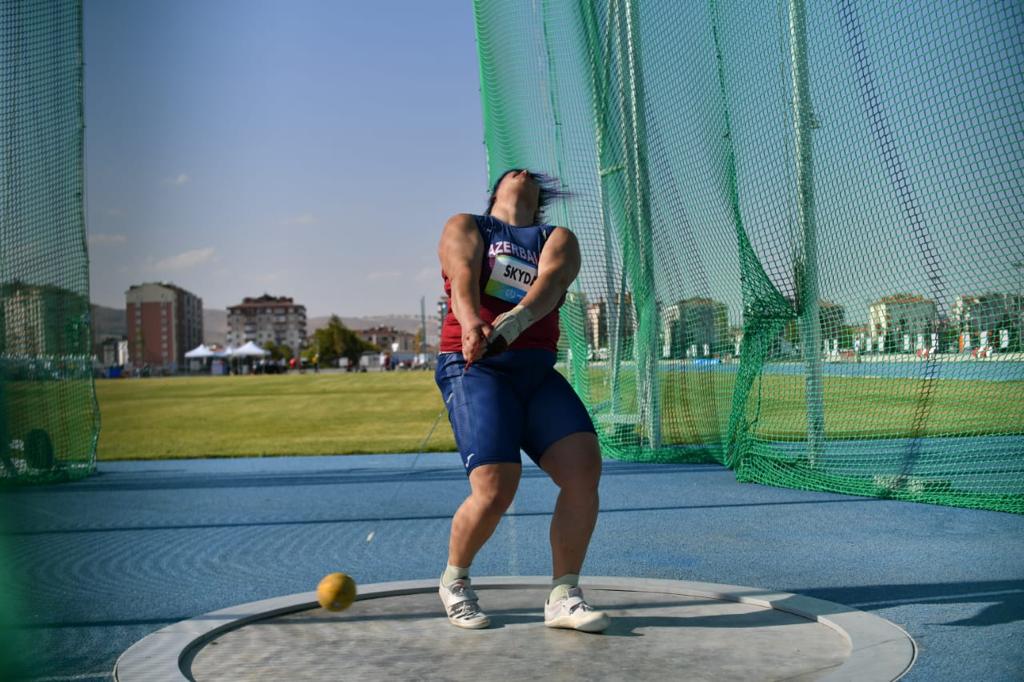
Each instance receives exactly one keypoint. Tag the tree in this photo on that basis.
(792, 332)
(847, 333)
(949, 339)
(278, 352)
(336, 341)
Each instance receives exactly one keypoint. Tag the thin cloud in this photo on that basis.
(105, 238)
(429, 274)
(182, 179)
(301, 219)
(183, 261)
(269, 277)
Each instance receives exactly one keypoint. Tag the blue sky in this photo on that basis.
(314, 148)
(308, 149)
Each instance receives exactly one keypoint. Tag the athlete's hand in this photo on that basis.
(507, 328)
(474, 341)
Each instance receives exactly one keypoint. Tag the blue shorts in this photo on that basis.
(512, 401)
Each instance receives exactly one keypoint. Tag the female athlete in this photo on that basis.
(506, 273)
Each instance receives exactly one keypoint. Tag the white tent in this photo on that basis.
(250, 349)
(199, 352)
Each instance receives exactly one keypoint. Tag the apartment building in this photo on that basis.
(266, 318)
(164, 322)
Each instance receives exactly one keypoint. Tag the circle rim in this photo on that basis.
(879, 649)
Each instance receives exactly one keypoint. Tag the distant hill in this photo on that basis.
(404, 323)
(108, 322)
(112, 322)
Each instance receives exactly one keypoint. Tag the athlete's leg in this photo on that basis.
(574, 464)
(560, 438)
(486, 416)
(492, 488)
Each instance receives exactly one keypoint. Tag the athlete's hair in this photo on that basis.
(550, 190)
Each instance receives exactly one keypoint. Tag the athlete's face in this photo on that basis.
(519, 185)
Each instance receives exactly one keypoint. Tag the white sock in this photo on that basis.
(560, 586)
(453, 573)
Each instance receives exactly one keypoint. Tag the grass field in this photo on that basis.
(696, 406)
(337, 413)
(294, 414)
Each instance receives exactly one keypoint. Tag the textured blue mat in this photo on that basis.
(105, 561)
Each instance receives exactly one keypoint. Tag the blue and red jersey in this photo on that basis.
(509, 269)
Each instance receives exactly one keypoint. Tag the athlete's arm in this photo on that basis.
(557, 268)
(461, 252)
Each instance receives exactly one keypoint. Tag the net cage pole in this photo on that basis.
(622, 169)
(639, 237)
(574, 309)
(605, 167)
(614, 292)
(1019, 267)
(807, 263)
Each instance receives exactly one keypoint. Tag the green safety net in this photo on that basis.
(801, 229)
(49, 419)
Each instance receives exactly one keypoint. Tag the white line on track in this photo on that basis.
(510, 518)
(105, 675)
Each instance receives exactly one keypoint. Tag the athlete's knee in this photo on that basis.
(583, 480)
(494, 487)
(493, 502)
(574, 463)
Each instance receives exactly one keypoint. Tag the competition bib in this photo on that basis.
(510, 278)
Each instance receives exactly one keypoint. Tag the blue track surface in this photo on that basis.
(144, 544)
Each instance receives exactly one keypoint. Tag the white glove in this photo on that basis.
(507, 327)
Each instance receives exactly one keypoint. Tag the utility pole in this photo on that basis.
(423, 325)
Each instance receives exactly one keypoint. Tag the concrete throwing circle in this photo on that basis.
(660, 629)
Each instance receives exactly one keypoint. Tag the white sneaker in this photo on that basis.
(574, 613)
(460, 603)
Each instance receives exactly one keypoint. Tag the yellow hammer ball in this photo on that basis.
(336, 591)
